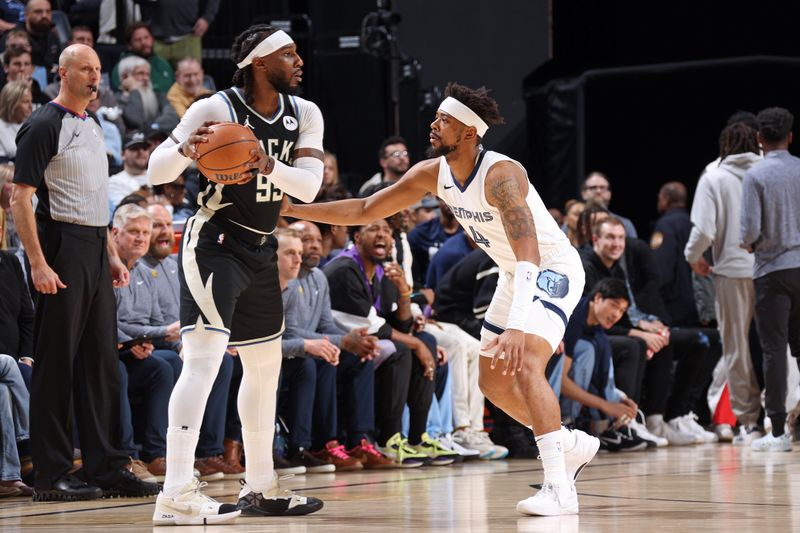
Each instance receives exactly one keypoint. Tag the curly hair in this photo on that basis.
(478, 100)
(243, 45)
(774, 124)
(737, 138)
(586, 222)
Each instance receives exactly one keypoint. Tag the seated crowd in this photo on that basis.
(382, 340)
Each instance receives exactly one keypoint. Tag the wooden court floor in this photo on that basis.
(702, 488)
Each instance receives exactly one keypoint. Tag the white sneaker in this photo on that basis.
(724, 432)
(688, 424)
(579, 455)
(551, 500)
(191, 507)
(674, 436)
(770, 443)
(466, 453)
(479, 440)
(637, 424)
(746, 436)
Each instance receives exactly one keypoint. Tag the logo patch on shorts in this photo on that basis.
(553, 284)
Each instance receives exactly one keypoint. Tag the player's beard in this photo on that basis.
(443, 149)
(282, 84)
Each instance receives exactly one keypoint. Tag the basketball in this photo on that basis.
(226, 157)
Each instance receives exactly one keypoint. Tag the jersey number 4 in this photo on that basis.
(266, 191)
(478, 238)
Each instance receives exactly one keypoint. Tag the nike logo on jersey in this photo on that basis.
(448, 186)
(139, 282)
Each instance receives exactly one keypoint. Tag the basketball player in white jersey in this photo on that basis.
(542, 279)
(230, 292)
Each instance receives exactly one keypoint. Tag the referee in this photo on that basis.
(62, 158)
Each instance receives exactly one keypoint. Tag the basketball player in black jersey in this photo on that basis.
(230, 295)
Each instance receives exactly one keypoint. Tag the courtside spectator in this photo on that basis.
(597, 188)
(140, 44)
(188, 85)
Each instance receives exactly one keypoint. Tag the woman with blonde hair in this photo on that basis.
(16, 104)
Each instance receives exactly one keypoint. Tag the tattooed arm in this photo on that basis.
(506, 189)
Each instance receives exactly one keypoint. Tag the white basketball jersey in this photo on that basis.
(482, 221)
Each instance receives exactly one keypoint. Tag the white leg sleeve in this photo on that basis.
(257, 398)
(202, 355)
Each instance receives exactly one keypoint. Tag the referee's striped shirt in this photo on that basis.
(63, 155)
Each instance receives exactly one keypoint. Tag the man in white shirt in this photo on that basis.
(133, 178)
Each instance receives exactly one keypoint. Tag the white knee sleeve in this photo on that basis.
(261, 364)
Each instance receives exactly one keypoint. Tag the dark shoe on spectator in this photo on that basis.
(335, 454)
(303, 457)
(612, 440)
(68, 488)
(518, 440)
(158, 468)
(122, 483)
(208, 472)
(370, 457)
(228, 471)
(24, 489)
(9, 491)
(283, 468)
(233, 452)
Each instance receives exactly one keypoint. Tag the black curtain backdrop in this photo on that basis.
(644, 126)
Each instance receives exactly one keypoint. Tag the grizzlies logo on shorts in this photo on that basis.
(553, 284)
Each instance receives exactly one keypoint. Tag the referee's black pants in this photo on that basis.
(76, 367)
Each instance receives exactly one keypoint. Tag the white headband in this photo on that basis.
(459, 111)
(275, 41)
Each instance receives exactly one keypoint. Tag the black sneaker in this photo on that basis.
(612, 440)
(122, 483)
(313, 465)
(281, 503)
(67, 488)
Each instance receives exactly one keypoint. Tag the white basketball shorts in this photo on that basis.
(558, 289)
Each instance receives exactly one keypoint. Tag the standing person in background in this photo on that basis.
(179, 26)
(62, 159)
(716, 222)
(771, 229)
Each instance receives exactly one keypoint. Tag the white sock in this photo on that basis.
(261, 364)
(551, 450)
(202, 355)
(568, 438)
(654, 420)
(180, 458)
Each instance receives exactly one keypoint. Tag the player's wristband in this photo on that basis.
(524, 288)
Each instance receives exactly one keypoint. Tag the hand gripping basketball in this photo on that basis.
(224, 152)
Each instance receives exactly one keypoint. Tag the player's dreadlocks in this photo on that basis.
(737, 138)
(478, 100)
(243, 45)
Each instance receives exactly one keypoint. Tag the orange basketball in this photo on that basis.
(226, 157)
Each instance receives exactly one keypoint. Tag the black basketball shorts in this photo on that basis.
(229, 284)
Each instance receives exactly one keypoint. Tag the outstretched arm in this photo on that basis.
(409, 189)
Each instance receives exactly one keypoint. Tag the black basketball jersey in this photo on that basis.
(255, 205)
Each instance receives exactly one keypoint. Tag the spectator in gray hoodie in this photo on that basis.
(715, 215)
